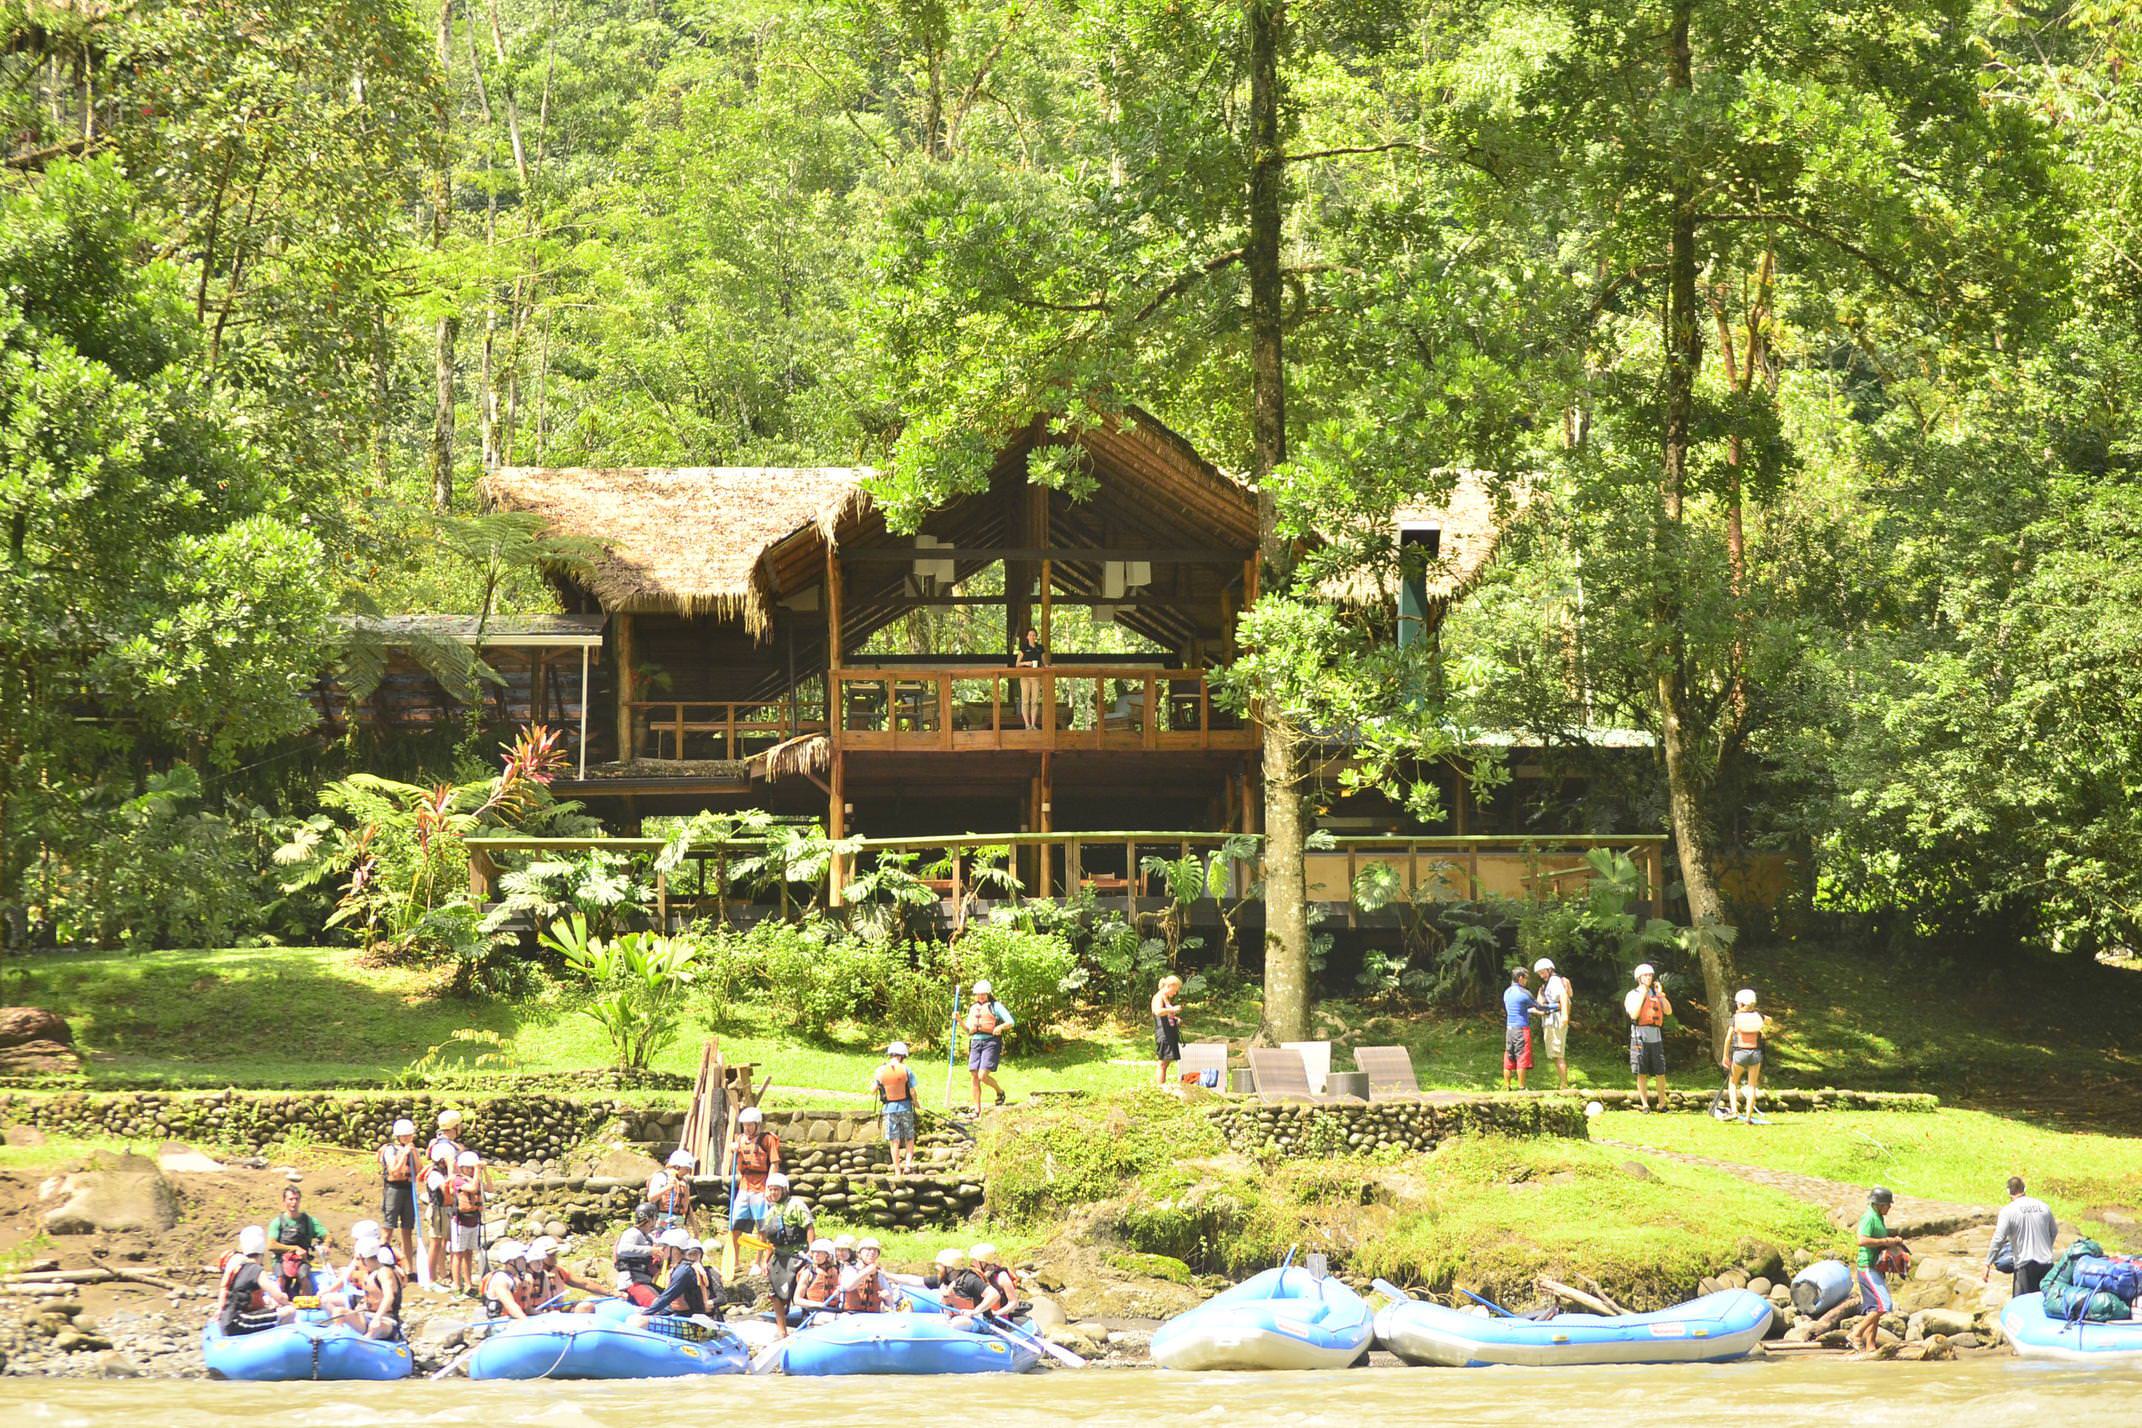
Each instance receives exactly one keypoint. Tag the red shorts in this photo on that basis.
(639, 1294)
(1517, 1048)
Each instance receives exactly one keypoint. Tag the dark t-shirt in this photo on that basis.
(303, 1230)
(684, 1295)
(1030, 654)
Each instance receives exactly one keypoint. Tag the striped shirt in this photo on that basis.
(2028, 1228)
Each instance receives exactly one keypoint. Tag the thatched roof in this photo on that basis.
(685, 539)
(1471, 523)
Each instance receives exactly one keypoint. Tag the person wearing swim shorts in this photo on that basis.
(1744, 1052)
(1518, 1009)
(1868, 1276)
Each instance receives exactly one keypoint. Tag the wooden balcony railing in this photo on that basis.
(713, 728)
(1055, 707)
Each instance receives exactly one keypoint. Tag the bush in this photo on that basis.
(1032, 973)
(1049, 1161)
(822, 982)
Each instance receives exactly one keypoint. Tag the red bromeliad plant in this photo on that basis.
(404, 853)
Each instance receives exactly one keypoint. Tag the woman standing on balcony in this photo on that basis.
(1030, 653)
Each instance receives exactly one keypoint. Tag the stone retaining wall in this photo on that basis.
(1825, 1098)
(1297, 1130)
(542, 1204)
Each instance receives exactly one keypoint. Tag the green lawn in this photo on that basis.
(2061, 1038)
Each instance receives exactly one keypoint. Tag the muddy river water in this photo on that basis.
(1829, 1391)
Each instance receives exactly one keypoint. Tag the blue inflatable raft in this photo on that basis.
(2024, 1322)
(599, 1345)
(1712, 1329)
(923, 1343)
(297, 1352)
(1284, 1318)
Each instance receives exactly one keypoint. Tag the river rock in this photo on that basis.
(1045, 1313)
(24, 1136)
(1965, 1341)
(25, 1024)
(1759, 1285)
(113, 1364)
(124, 1194)
(1929, 1322)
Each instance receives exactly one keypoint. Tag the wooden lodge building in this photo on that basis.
(730, 645)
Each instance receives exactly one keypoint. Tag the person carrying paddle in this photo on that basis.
(689, 1289)
(865, 1288)
(375, 1294)
(669, 1190)
(753, 1155)
(787, 1227)
(818, 1290)
(634, 1257)
(505, 1294)
(1000, 1287)
(552, 1278)
(247, 1300)
(986, 1023)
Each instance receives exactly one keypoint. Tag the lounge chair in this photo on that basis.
(1316, 1060)
(1390, 1073)
(1278, 1075)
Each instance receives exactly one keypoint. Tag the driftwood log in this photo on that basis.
(1579, 1298)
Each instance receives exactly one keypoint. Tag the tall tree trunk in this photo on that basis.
(1686, 777)
(449, 325)
(1286, 894)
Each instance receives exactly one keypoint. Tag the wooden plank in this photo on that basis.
(626, 681)
(1158, 555)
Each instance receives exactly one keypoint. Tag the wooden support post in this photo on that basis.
(626, 687)
(1045, 794)
(1353, 917)
(833, 615)
(1130, 877)
(1045, 601)
(1461, 803)
(661, 902)
(583, 711)
(481, 871)
(837, 824)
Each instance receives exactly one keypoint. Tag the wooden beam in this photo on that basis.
(833, 621)
(837, 823)
(626, 692)
(1158, 555)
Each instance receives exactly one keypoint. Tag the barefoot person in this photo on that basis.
(1877, 1248)
(987, 1021)
(1168, 1024)
(1744, 1052)
(1556, 1001)
(1030, 654)
(1648, 1009)
(894, 1084)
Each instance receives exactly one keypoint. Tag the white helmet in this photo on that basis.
(405, 1126)
(542, 1247)
(751, 1113)
(364, 1230)
(674, 1238)
(1745, 997)
(949, 1257)
(982, 988)
(368, 1249)
(898, 1048)
(982, 1252)
(1544, 965)
(252, 1240)
(695, 1245)
(867, 1242)
(821, 1246)
(509, 1250)
(449, 1118)
(1643, 970)
(468, 1159)
(384, 1255)
(682, 1160)
(777, 1181)
(841, 1242)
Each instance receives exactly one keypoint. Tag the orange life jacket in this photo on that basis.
(982, 1018)
(1651, 1011)
(676, 1197)
(465, 1194)
(754, 1158)
(892, 1083)
(867, 1296)
(821, 1285)
(397, 1163)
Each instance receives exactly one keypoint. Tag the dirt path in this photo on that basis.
(1912, 1217)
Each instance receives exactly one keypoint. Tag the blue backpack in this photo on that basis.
(2109, 1274)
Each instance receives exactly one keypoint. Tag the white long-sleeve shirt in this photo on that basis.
(2028, 1228)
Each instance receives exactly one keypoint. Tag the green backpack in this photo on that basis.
(2069, 1301)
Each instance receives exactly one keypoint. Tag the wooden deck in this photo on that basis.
(952, 708)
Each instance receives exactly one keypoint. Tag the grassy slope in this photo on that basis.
(1964, 1156)
(2064, 1039)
